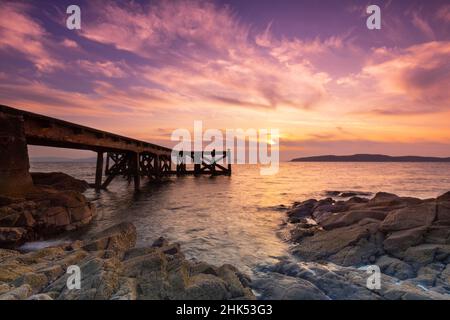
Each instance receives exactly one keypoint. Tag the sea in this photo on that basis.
(239, 219)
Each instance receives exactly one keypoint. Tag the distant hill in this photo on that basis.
(61, 159)
(370, 158)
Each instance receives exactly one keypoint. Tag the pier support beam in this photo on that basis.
(15, 178)
(99, 171)
(136, 171)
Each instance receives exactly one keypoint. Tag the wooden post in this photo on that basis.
(197, 169)
(157, 167)
(99, 171)
(136, 167)
(228, 155)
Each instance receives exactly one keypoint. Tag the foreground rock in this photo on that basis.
(112, 268)
(408, 238)
(54, 204)
(326, 281)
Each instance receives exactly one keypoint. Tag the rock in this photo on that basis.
(389, 201)
(37, 281)
(127, 289)
(426, 253)
(45, 211)
(350, 217)
(59, 181)
(40, 296)
(428, 275)
(302, 210)
(160, 242)
(408, 238)
(437, 234)
(276, 286)
(55, 219)
(443, 212)
(299, 232)
(395, 267)
(444, 197)
(112, 268)
(383, 198)
(326, 244)
(20, 293)
(398, 241)
(206, 287)
(120, 237)
(12, 236)
(421, 215)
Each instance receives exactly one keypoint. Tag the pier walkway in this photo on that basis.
(124, 156)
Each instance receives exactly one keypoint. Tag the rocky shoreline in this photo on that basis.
(111, 266)
(335, 240)
(53, 205)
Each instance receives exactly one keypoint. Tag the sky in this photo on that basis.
(311, 69)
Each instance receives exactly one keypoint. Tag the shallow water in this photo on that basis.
(236, 219)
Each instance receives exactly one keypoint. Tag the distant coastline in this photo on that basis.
(369, 158)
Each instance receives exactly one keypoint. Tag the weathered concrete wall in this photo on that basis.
(15, 178)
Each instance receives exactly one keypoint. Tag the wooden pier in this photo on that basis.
(125, 156)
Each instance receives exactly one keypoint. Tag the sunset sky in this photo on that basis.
(309, 68)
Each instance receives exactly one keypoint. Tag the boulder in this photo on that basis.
(424, 254)
(437, 234)
(444, 197)
(391, 201)
(20, 293)
(301, 210)
(421, 215)
(120, 237)
(443, 212)
(275, 286)
(398, 241)
(395, 267)
(12, 236)
(351, 217)
(326, 244)
(59, 181)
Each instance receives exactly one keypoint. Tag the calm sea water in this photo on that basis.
(235, 219)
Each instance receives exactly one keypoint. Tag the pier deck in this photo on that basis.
(124, 156)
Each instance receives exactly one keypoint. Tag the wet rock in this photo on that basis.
(40, 296)
(427, 253)
(443, 212)
(46, 211)
(120, 237)
(351, 217)
(398, 241)
(437, 234)
(20, 293)
(395, 267)
(408, 238)
(301, 210)
(326, 244)
(59, 181)
(276, 286)
(12, 236)
(421, 215)
(112, 268)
